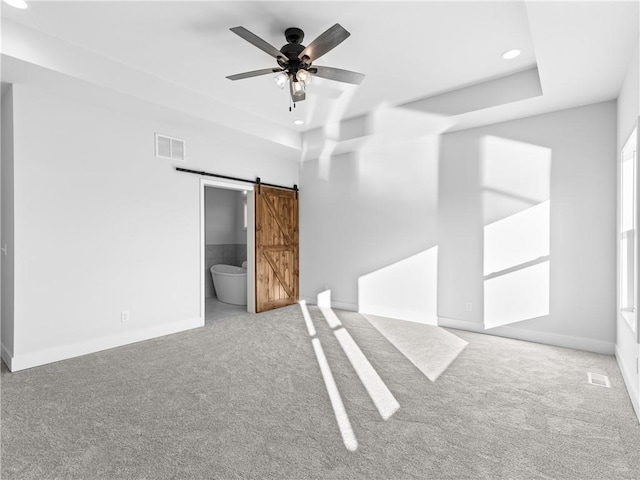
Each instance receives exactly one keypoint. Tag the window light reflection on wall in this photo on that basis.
(21, 4)
(517, 209)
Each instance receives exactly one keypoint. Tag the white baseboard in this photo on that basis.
(399, 314)
(352, 307)
(631, 390)
(7, 356)
(547, 338)
(64, 352)
(309, 300)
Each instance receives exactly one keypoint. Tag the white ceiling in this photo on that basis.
(408, 50)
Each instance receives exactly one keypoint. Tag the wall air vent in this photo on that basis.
(598, 379)
(170, 148)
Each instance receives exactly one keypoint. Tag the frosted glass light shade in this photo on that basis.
(281, 79)
(304, 76)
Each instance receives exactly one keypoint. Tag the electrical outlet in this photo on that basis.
(468, 306)
(124, 316)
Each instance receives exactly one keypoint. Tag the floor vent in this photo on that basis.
(170, 147)
(598, 379)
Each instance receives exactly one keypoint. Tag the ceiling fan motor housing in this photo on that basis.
(294, 35)
(292, 50)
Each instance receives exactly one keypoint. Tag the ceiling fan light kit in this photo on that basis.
(295, 60)
(304, 76)
(281, 79)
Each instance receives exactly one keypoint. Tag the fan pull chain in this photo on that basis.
(294, 104)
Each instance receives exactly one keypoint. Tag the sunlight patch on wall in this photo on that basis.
(516, 209)
(517, 239)
(323, 299)
(407, 290)
(519, 295)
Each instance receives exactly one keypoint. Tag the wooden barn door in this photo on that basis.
(276, 248)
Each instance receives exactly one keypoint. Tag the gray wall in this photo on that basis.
(223, 216)
(369, 209)
(363, 211)
(583, 216)
(73, 159)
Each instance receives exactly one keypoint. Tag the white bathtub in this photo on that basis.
(230, 283)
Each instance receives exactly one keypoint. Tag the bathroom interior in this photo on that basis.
(225, 253)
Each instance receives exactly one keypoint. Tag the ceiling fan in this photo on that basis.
(295, 61)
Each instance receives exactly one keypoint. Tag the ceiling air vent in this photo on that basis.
(598, 379)
(170, 147)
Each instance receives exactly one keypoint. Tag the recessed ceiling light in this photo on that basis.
(21, 4)
(509, 54)
(298, 122)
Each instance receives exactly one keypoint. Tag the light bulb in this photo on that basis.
(298, 87)
(281, 79)
(304, 76)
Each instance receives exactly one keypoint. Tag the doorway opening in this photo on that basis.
(227, 253)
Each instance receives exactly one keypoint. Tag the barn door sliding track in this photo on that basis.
(257, 181)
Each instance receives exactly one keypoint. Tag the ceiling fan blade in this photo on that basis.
(254, 73)
(255, 40)
(328, 40)
(337, 74)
